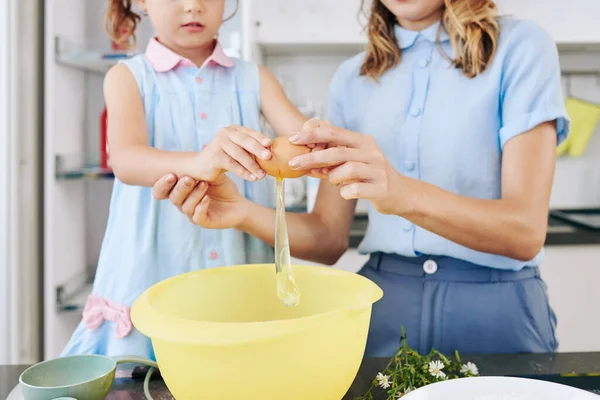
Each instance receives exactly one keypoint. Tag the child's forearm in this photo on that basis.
(144, 165)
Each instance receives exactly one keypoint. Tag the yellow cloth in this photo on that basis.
(584, 119)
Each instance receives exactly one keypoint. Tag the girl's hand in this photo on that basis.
(233, 149)
(356, 163)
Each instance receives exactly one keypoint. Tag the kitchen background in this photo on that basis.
(55, 183)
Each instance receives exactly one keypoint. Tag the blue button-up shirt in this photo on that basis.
(436, 125)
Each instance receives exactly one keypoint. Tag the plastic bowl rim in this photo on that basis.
(286, 326)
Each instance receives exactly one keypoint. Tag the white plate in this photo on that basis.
(498, 388)
(15, 394)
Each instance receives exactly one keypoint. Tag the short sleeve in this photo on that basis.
(335, 107)
(531, 91)
(138, 69)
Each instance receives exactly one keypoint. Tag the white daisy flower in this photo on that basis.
(469, 369)
(435, 369)
(383, 380)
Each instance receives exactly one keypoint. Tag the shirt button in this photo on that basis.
(203, 115)
(430, 267)
(407, 225)
(199, 79)
(409, 165)
(415, 111)
(214, 255)
(423, 63)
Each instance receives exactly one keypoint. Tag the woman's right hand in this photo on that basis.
(185, 193)
(216, 205)
(222, 207)
(231, 150)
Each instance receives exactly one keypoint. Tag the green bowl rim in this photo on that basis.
(66, 386)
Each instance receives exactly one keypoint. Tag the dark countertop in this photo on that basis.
(560, 232)
(580, 370)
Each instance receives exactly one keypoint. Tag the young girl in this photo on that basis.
(465, 111)
(166, 113)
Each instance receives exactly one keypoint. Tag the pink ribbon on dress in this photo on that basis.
(97, 309)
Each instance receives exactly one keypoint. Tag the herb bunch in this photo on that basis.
(408, 370)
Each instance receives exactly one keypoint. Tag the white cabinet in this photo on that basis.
(333, 22)
(575, 21)
(64, 201)
(572, 274)
(341, 22)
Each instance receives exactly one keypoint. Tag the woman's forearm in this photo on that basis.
(144, 165)
(504, 227)
(310, 238)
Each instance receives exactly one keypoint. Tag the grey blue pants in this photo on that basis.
(449, 304)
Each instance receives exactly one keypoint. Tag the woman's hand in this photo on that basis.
(216, 205)
(222, 207)
(356, 163)
(314, 123)
(232, 149)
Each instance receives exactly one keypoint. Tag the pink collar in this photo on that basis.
(164, 59)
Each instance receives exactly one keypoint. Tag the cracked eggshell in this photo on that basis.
(282, 152)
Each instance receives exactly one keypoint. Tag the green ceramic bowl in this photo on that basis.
(82, 377)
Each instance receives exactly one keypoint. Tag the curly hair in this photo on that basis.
(472, 27)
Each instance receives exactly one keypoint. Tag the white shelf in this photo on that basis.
(575, 58)
(579, 58)
(579, 47)
(575, 21)
(315, 48)
(89, 61)
(81, 166)
(72, 295)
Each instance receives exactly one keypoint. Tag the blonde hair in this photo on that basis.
(121, 22)
(472, 27)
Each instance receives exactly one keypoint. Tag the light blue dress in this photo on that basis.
(146, 240)
(436, 125)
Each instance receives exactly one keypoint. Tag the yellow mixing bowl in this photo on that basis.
(223, 333)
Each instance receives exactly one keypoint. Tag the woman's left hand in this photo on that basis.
(355, 162)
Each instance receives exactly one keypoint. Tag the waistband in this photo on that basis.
(444, 268)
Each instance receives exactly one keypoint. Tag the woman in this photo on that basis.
(459, 113)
